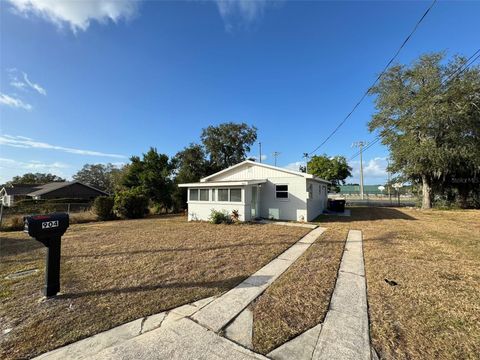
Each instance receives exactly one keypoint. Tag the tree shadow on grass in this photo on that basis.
(10, 246)
(366, 213)
(177, 249)
(225, 284)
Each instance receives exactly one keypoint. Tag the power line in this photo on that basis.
(460, 70)
(378, 78)
(367, 146)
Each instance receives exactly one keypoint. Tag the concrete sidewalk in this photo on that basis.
(344, 335)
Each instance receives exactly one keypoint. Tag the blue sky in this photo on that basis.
(97, 82)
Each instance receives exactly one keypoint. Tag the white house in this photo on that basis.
(258, 190)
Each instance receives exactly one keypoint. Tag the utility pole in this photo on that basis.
(260, 157)
(388, 181)
(360, 145)
(275, 155)
(305, 156)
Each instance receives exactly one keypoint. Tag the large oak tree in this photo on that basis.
(428, 114)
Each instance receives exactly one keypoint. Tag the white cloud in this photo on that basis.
(32, 165)
(14, 102)
(374, 168)
(295, 166)
(241, 13)
(78, 14)
(34, 86)
(23, 142)
(21, 81)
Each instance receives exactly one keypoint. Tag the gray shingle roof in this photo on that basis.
(38, 190)
(21, 189)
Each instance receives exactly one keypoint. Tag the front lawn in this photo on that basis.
(434, 257)
(115, 272)
(299, 299)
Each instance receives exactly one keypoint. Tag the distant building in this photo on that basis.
(54, 190)
(367, 189)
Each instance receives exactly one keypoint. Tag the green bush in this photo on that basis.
(220, 217)
(103, 207)
(131, 204)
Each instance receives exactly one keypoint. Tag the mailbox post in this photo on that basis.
(48, 229)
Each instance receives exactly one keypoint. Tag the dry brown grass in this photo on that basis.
(114, 272)
(299, 299)
(15, 222)
(434, 256)
(433, 312)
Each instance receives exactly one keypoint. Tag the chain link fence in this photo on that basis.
(11, 218)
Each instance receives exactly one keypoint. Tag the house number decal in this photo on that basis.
(49, 224)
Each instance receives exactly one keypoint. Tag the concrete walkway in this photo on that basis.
(344, 335)
(191, 331)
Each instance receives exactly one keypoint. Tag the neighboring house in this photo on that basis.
(54, 190)
(258, 190)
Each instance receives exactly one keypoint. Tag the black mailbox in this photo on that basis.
(48, 229)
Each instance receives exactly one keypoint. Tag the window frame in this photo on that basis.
(282, 191)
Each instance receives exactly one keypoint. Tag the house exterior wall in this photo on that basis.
(7, 200)
(201, 210)
(317, 199)
(293, 208)
(75, 190)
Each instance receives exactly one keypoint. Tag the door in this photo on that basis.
(254, 202)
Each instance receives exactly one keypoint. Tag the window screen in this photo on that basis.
(222, 194)
(236, 195)
(281, 191)
(204, 194)
(213, 194)
(194, 194)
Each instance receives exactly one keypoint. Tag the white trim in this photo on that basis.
(223, 183)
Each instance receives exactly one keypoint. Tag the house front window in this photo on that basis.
(222, 194)
(194, 194)
(204, 194)
(235, 195)
(281, 191)
(213, 194)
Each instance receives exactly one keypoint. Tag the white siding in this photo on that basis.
(293, 208)
(316, 204)
(251, 172)
(201, 210)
